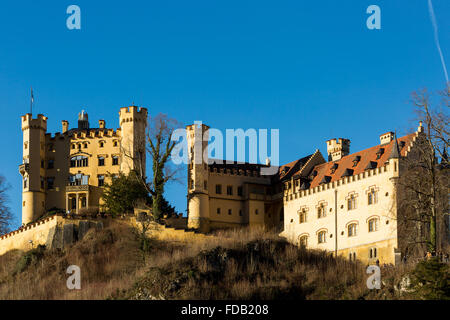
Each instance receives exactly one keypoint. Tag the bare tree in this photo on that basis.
(5, 212)
(159, 146)
(422, 196)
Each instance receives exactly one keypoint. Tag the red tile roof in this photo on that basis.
(366, 156)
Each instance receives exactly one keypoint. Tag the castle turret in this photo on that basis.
(32, 169)
(133, 123)
(198, 198)
(338, 148)
(83, 121)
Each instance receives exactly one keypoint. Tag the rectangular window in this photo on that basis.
(229, 190)
(115, 160)
(218, 189)
(51, 164)
(101, 161)
(101, 181)
(229, 212)
(50, 183)
(239, 191)
(218, 210)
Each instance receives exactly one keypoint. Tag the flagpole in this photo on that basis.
(31, 102)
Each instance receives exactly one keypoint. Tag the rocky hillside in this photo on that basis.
(242, 264)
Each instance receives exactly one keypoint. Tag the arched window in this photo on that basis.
(372, 196)
(373, 253)
(322, 237)
(302, 216)
(352, 229)
(321, 211)
(352, 256)
(303, 241)
(351, 202)
(373, 224)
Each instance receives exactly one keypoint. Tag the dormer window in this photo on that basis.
(380, 153)
(326, 179)
(347, 173)
(371, 165)
(356, 160)
(334, 167)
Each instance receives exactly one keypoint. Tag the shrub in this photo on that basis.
(29, 258)
(431, 280)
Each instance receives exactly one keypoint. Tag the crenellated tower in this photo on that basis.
(198, 198)
(32, 168)
(133, 124)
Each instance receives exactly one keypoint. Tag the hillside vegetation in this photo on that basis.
(239, 264)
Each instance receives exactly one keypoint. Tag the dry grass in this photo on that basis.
(253, 264)
(109, 260)
(235, 264)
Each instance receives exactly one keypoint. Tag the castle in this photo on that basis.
(68, 170)
(345, 205)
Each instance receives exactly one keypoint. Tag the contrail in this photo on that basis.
(436, 38)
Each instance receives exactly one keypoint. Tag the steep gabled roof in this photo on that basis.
(369, 158)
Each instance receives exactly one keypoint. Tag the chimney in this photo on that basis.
(65, 126)
(338, 148)
(101, 124)
(386, 138)
(420, 128)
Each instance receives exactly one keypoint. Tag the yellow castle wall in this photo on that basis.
(384, 209)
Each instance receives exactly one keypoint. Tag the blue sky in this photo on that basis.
(311, 69)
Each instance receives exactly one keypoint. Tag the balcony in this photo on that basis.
(79, 188)
(24, 168)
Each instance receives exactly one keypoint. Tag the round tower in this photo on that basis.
(32, 167)
(133, 124)
(198, 196)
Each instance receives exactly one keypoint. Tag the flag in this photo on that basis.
(32, 98)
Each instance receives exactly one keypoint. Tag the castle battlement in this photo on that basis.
(37, 123)
(27, 227)
(85, 134)
(132, 113)
(295, 192)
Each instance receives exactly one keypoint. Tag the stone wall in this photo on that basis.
(53, 232)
